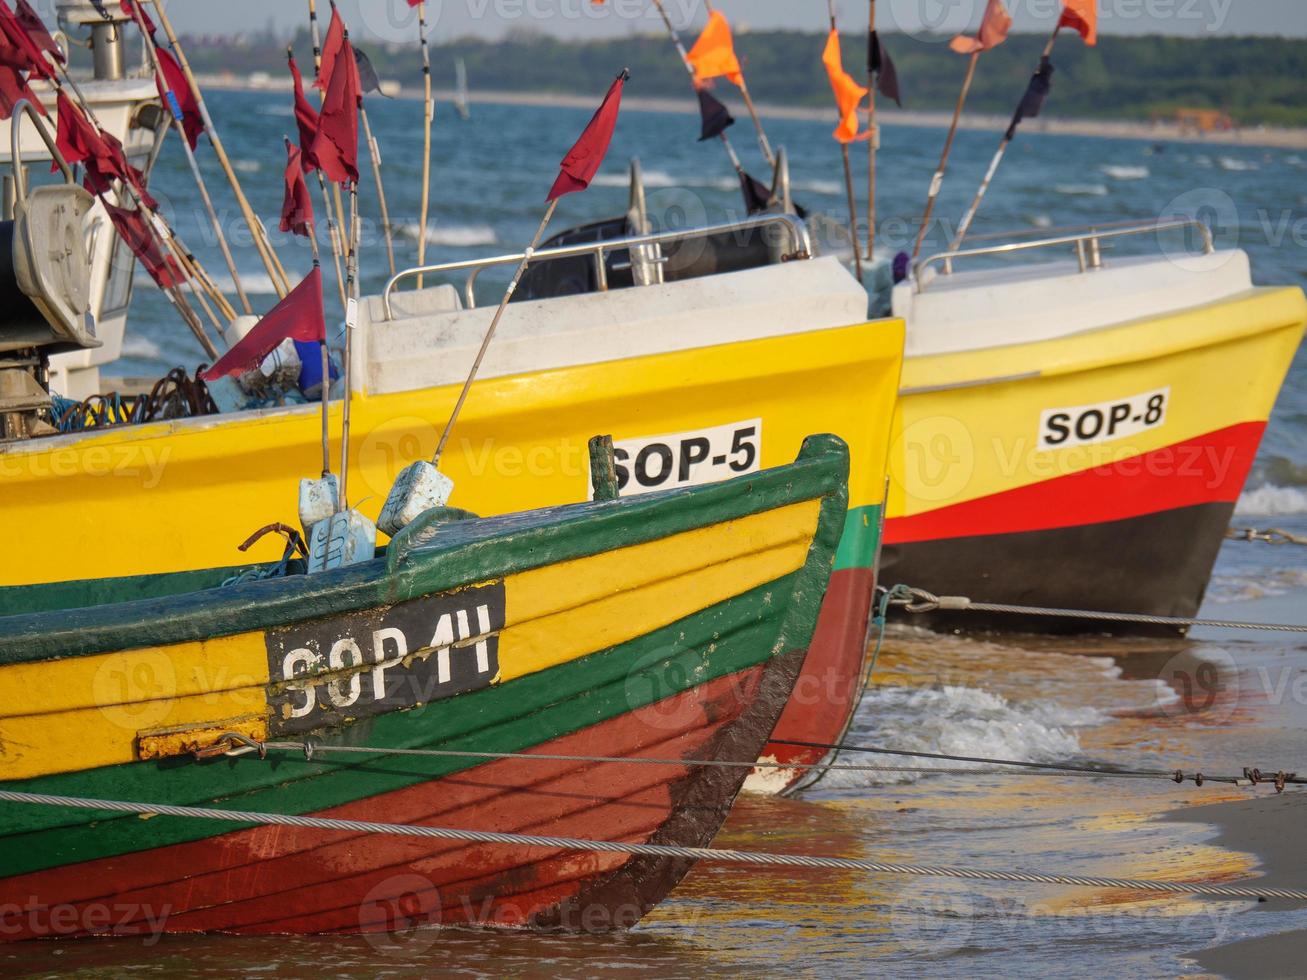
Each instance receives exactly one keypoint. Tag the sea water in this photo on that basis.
(1215, 702)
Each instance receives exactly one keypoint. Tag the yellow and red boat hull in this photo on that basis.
(1094, 471)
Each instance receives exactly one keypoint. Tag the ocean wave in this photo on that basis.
(829, 187)
(1121, 172)
(254, 283)
(246, 166)
(1081, 190)
(457, 235)
(1041, 221)
(1269, 500)
(1236, 165)
(134, 345)
(959, 720)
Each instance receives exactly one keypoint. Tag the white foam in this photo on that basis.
(831, 187)
(1042, 221)
(246, 166)
(1269, 500)
(135, 345)
(1081, 190)
(254, 283)
(1118, 172)
(1235, 164)
(961, 721)
(457, 235)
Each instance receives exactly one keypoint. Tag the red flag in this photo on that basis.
(35, 27)
(1082, 15)
(994, 27)
(136, 232)
(336, 145)
(584, 158)
(306, 117)
(299, 316)
(100, 153)
(17, 49)
(145, 17)
(192, 120)
(330, 51)
(296, 204)
(13, 89)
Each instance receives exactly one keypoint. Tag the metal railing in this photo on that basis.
(25, 108)
(1086, 242)
(795, 231)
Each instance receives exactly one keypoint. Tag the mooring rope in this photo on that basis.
(237, 744)
(765, 858)
(916, 600)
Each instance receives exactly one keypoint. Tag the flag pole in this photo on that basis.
(322, 346)
(428, 113)
(848, 178)
(375, 153)
(994, 164)
(685, 60)
(490, 331)
(275, 272)
(937, 181)
(333, 235)
(351, 317)
(873, 141)
(138, 16)
(763, 144)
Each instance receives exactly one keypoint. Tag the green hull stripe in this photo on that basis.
(731, 636)
(861, 537)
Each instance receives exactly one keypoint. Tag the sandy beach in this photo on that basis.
(1271, 828)
(1261, 136)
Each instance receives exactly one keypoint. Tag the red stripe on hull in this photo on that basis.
(830, 683)
(1209, 469)
(294, 880)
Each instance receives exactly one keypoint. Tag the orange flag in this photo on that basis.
(713, 55)
(848, 93)
(993, 31)
(1082, 15)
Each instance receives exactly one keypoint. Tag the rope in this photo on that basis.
(242, 744)
(1273, 535)
(652, 850)
(920, 601)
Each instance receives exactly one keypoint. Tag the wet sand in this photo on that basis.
(1271, 827)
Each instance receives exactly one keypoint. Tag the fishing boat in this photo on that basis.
(1074, 433)
(668, 627)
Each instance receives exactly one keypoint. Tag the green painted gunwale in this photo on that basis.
(739, 633)
(420, 561)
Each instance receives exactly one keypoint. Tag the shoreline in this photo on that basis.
(1268, 827)
(1262, 137)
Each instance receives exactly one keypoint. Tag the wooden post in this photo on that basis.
(428, 113)
(375, 153)
(937, 181)
(873, 142)
(257, 232)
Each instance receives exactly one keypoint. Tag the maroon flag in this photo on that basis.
(331, 49)
(127, 6)
(99, 152)
(13, 89)
(17, 49)
(584, 158)
(336, 145)
(306, 117)
(299, 316)
(136, 232)
(174, 78)
(296, 205)
(35, 27)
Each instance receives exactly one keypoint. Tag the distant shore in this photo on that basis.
(1268, 137)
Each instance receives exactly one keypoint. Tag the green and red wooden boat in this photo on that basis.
(671, 625)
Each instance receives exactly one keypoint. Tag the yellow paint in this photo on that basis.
(84, 712)
(617, 597)
(521, 443)
(1223, 362)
